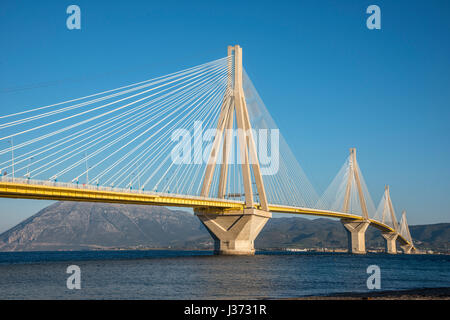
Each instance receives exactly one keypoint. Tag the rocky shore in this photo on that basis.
(410, 294)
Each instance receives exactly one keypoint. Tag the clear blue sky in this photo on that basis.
(328, 81)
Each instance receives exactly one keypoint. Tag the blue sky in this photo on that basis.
(328, 81)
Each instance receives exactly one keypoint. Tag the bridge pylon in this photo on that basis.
(407, 247)
(389, 236)
(234, 231)
(356, 230)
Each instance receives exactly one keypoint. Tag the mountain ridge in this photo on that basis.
(94, 226)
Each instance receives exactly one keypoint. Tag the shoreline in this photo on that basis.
(258, 251)
(442, 293)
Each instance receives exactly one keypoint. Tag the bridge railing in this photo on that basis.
(84, 186)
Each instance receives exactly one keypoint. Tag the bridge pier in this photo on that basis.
(407, 248)
(356, 231)
(391, 238)
(234, 232)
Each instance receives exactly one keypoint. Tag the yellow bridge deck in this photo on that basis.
(44, 190)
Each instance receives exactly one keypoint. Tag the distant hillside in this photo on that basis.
(74, 225)
(432, 236)
(298, 232)
(85, 226)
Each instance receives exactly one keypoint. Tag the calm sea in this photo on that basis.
(164, 274)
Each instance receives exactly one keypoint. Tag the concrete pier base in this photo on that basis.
(407, 249)
(356, 231)
(391, 238)
(233, 232)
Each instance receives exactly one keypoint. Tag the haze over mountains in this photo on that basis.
(87, 226)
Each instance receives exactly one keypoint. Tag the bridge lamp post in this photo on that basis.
(131, 180)
(167, 184)
(139, 180)
(87, 167)
(11, 141)
(28, 168)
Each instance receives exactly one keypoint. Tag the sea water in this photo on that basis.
(169, 274)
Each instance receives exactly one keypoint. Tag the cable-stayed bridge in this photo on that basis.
(199, 138)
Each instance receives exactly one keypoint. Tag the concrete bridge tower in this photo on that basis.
(234, 231)
(389, 236)
(404, 232)
(356, 230)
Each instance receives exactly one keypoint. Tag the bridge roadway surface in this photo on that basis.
(46, 190)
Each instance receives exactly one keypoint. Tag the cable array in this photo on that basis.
(334, 196)
(385, 212)
(404, 229)
(119, 138)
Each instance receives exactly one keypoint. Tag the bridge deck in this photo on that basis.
(44, 190)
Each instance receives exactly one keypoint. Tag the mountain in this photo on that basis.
(432, 236)
(85, 226)
(298, 232)
(76, 225)
(302, 233)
